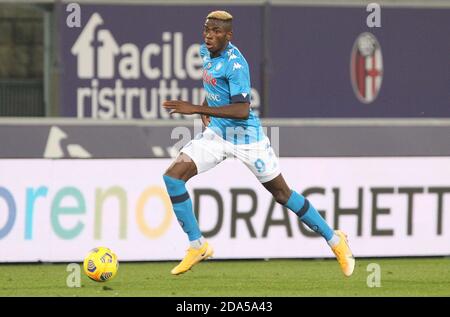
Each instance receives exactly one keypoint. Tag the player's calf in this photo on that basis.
(337, 240)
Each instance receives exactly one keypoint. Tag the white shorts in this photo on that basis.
(208, 149)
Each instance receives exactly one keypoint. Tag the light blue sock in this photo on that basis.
(309, 215)
(182, 206)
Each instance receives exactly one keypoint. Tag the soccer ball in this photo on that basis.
(101, 264)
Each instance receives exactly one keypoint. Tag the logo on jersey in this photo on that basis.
(237, 66)
(232, 56)
(366, 67)
(212, 97)
(208, 78)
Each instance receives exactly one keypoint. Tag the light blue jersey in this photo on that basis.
(226, 79)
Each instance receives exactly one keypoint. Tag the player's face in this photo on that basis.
(216, 35)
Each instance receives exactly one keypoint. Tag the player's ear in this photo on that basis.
(229, 35)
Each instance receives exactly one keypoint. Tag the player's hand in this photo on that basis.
(177, 106)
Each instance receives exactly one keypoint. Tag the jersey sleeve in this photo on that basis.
(239, 81)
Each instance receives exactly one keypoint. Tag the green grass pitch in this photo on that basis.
(399, 277)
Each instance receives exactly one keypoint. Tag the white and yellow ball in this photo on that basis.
(101, 264)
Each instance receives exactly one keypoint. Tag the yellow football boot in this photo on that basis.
(343, 254)
(193, 256)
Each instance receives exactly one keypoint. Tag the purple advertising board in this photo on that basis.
(329, 63)
(125, 60)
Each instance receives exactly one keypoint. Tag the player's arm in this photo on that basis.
(205, 118)
(233, 111)
(239, 110)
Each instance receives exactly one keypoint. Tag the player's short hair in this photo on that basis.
(220, 15)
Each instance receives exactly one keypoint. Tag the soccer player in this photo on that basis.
(233, 130)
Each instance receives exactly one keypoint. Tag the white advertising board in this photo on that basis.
(57, 210)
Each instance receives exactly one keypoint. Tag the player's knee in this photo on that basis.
(172, 173)
(281, 196)
(181, 171)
